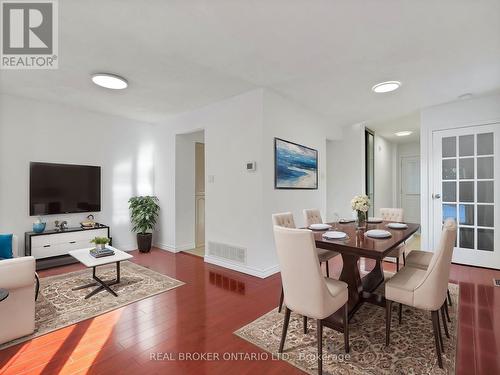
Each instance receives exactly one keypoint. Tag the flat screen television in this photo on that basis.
(64, 188)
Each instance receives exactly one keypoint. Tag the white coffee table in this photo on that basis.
(84, 257)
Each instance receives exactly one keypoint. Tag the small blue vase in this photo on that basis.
(39, 227)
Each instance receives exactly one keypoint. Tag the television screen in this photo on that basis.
(64, 188)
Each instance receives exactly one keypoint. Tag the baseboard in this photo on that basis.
(189, 246)
(169, 248)
(257, 272)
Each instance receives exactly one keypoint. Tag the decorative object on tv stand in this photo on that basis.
(39, 225)
(295, 166)
(61, 225)
(144, 214)
(361, 204)
(100, 242)
(89, 223)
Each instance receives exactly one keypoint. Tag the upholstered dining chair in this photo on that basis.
(425, 289)
(396, 215)
(313, 216)
(307, 291)
(422, 259)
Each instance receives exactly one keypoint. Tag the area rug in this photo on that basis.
(58, 305)
(412, 349)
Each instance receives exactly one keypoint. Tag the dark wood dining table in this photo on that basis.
(357, 245)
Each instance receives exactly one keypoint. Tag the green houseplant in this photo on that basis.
(100, 242)
(144, 214)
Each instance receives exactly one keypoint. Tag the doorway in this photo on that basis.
(199, 197)
(464, 188)
(410, 187)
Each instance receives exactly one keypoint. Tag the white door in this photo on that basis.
(465, 164)
(410, 188)
(199, 194)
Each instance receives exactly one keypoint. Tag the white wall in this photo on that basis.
(458, 114)
(345, 170)
(385, 174)
(185, 189)
(39, 131)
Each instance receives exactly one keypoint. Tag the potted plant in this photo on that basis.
(100, 242)
(144, 213)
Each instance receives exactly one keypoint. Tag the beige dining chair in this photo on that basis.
(307, 291)
(425, 289)
(394, 215)
(313, 216)
(422, 259)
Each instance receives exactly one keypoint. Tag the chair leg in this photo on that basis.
(346, 328)
(327, 269)
(37, 286)
(446, 311)
(439, 331)
(400, 313)
(449, 297)
(443, 318)
(319, 329)
(305, 324)
(397, 264)
(285, 328)
(388, 307)
(404, 259)
(282, 296)
(435, 326)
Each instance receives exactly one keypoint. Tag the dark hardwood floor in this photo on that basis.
(201, 316)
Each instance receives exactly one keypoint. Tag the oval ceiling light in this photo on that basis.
(386, 86)
(404, 133)
(109, 81)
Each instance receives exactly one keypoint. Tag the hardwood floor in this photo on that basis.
(201, 316)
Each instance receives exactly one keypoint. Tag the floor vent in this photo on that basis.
(229, 252)
(496, 282)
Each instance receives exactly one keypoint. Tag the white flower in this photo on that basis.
(360, 203)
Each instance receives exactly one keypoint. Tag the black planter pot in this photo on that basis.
(144, 242)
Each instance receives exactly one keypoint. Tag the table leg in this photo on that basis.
(102, 285)
(350, 275)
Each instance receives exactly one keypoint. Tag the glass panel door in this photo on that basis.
(464, 166)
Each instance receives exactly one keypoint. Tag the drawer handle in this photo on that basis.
(72, 241)
(46, 245)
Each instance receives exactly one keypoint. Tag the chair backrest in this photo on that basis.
(284, 219)
(431, 292)
(392, 214)
(304, 287)
(312, 216)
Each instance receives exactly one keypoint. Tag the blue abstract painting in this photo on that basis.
(296, 166)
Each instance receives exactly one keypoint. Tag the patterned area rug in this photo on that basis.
(58, 305)
(412, 349)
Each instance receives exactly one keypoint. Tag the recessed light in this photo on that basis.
(110, 81)
(404, 133)
(386, 86)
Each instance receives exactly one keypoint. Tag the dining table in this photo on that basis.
(358, 244)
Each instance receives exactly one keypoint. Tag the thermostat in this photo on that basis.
(251, 166)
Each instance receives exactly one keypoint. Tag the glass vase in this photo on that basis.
(360, 220)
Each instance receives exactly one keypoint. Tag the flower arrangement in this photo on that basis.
(361, 204)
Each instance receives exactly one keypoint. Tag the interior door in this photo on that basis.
(465, 164)
(200, 194)
(410, 188)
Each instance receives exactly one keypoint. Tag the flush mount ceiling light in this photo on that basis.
(386, 86)
(404, 133)
(109, 81)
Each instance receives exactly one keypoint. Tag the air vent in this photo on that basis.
(496, 282)
(228, 252)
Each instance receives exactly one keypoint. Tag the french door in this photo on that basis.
(466, 163)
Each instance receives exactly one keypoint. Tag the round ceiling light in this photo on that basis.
(404, 133)
(386, 86)
(110, 81)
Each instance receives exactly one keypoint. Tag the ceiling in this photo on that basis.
(326, 55)
(388, 128)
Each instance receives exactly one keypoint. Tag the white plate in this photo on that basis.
(319, 226)
(397, 225)
(378, 233)
(334, 235)
(345, 221)
(374, 220)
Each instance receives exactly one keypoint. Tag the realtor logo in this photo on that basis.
(29, 34)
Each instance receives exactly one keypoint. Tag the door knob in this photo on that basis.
(436, 196)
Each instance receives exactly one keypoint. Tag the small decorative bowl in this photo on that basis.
(39, 227)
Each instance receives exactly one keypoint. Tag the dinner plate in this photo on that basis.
(374, 220)
(319, 226)
(397, 225)
(334, 235)
(345, 221)
(378, 233)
